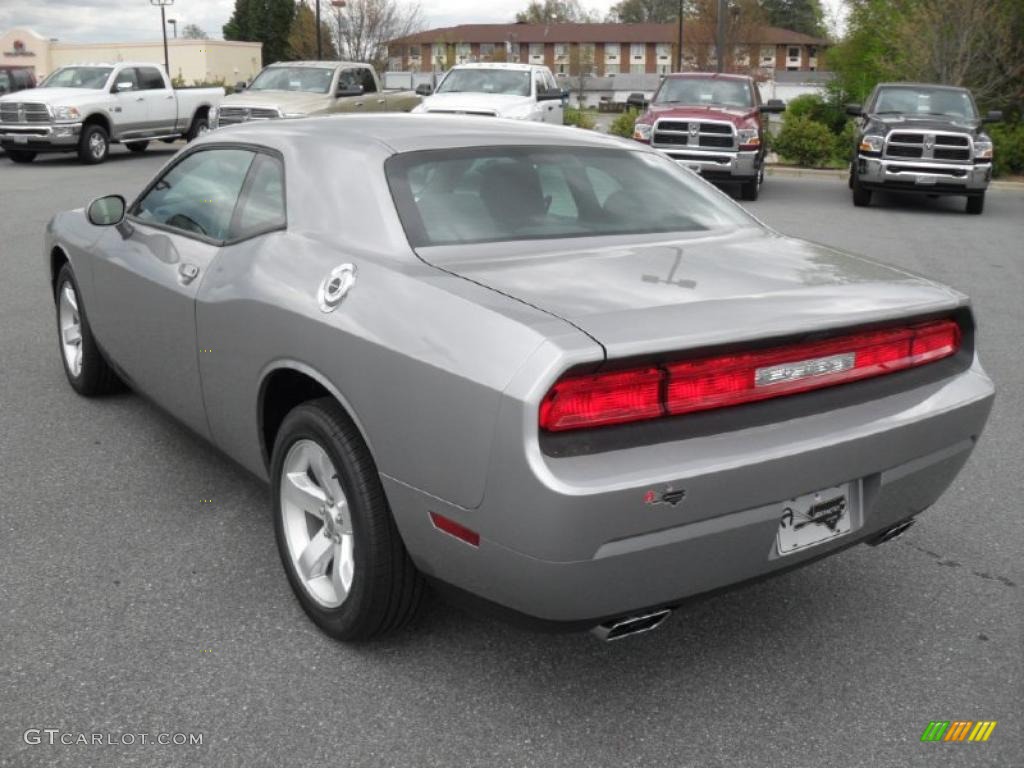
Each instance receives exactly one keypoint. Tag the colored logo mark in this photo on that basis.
(958, 730)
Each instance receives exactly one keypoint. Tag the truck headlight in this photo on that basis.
(642, 131)
(983, 148)
(66, 113)
(748, 137)
(871, 143)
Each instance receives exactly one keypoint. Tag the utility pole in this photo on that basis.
(720, 37)
(679, 46)
(319, 42)
(163, 26)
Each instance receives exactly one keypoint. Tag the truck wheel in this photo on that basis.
(338, 542)
(861, 196)
(87, 371)
(94, 145)
(21, 155)
(749, 190)
(199, 126)
(976, 203)
(137, 146)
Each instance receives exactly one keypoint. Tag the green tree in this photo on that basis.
(194, 32)
(548, 11)
(798, 15)
(264, 21)
(302, 36)
(640, 11)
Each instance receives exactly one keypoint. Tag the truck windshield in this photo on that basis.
(704, 91)
(78, 77)
(924, 101)
(492, 194)
(306, 79)
(504, 81)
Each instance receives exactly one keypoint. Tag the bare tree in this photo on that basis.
(362, 28)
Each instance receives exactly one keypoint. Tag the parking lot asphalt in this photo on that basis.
(129, 606)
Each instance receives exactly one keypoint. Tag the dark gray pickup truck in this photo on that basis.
(924, 139)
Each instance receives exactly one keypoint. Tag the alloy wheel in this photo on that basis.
(70, 329)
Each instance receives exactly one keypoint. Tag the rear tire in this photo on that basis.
(88, 373)
(137, 146)
(94, 144)
(200, 125)
(20, 155)
(976, 203)
(325, 481)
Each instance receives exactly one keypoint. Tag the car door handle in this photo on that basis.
(381, 101)
(188, 272)
(358, 104)
(141, 98)
(169, 96)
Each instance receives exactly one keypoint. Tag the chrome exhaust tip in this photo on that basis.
(892, 533)
(629, 626)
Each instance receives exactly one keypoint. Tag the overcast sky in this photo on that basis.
(116, 20)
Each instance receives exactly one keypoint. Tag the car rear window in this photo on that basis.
(491, 194)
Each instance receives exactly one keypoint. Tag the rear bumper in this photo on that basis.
(725, 165)
(59, 137)
(571, 540)
(923, 176)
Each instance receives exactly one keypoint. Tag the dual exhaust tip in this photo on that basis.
(630, 626)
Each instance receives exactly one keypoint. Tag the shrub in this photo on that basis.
(578, 117)
(805, 142)
(843, 151)
(1008, 148)
(623, 124)
(811, 105)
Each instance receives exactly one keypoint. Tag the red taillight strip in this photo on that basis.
(717, 381)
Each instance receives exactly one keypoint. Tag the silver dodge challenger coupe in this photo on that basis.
(548, 371)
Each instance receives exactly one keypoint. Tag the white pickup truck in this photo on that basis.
(514, 91)
(84, 107)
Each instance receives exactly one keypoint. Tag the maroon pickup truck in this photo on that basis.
(710, 123)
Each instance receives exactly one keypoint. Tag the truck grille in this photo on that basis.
(949, 147)
(232, 115)
(23, 112)
(706, 133)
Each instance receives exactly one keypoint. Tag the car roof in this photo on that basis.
(317, 64)
(399, 132)
(922, 85)
(707, 76)
(500, 65)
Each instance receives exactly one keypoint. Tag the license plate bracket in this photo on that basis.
(20, 139)
(816, 518)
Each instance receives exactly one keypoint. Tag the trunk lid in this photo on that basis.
(647, 295)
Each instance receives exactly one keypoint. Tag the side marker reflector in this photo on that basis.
(457, 530)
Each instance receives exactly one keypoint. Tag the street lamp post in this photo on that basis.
(720, 37)
(174, 26)
(163, 26)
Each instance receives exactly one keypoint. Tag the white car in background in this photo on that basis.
(516, 91)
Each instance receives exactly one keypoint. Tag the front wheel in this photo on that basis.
(21, 155)
(749, 190)
(976, 203)
(88, 373)
(93, 145)
(335, 534)
(861, 196)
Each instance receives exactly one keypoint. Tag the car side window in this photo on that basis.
(539, 85)
(127, 77)
(150, 79)
(198, 195)
(368, 83)
(261, 207)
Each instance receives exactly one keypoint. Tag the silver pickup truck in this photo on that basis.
(301, 88)
(84, 108)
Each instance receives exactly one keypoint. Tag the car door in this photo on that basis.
(148, 271)
(129, 104)
(161, 106)
(350, 79)
(376, 101)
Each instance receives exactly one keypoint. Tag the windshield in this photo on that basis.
(924, 101)
(504, 81)
(489, 194)
(305, 79)
(78, 77)
(704, 91)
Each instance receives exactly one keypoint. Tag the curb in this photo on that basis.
(835, 173)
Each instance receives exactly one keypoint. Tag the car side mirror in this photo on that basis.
(106, 211)
(994, 116)
(854, 109)
(424, 89)
(774, 106)
(636, 101)
(241, 85)
(351, 90)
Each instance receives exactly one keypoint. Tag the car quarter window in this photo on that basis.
(150, 79)
(261, 207)
(197, 195)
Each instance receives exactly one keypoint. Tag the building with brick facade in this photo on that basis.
(604, 49)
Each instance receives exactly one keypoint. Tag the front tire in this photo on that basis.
(750, 190)
(21, 155)
(335, 534)
(93, 145)
(861, 196)
(976, 204)
(137, 146)
(87, 371)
